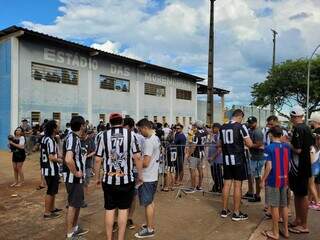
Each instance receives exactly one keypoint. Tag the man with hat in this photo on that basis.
(300, 170)
(257, 157)
(118, 149)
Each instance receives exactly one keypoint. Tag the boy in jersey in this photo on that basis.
(233, 137)
(277, 156)
(49, 159)
(195, 155)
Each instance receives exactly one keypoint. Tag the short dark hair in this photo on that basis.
(116, 121)
(50, 126)
(272, 118)
(179, 125)
(237, 113)
(24, 120)
(276, 131)
(128, 121)
(145, 123)
(216, 125)
(165, 125)
(67, 124)
(76, 123)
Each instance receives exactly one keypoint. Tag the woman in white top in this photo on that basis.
(315, 170)
(17, 147)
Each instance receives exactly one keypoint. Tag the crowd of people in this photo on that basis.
(125, 158)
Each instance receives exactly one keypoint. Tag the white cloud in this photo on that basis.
(176, 35)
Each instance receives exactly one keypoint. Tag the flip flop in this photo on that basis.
(165, 190)
(268, 236)
(302, 230)
(294, 230)
(40, 187)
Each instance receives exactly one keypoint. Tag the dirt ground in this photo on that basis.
(195, 216)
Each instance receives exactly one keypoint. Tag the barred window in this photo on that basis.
(56, 116)
(54, 74)
(164, 119)
(74, 115)
(154, 90)
(183, 94)
(35, 118)
(102, 117)
(116, 84)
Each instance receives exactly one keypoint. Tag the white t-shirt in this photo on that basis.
(22, 140)
(314, 155)
(166, 131)
(151, 147)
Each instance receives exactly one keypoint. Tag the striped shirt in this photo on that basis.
(48, 146)
(117, 146)
(72, 143)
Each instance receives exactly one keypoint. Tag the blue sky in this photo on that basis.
(174, 33)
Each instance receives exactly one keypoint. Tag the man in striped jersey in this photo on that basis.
(233, 137)
(117, 147)
(74, 177)
(49, 159)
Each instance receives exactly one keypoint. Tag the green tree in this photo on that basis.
(286, 85)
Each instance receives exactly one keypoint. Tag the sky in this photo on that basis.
(174, 33)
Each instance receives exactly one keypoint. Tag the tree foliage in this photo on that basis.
(286, 85)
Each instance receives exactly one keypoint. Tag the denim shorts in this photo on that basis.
(256, 167)
(146, 193)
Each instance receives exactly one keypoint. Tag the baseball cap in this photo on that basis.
(315, 117)
(252, 120)
(115, 116)
(297, 111)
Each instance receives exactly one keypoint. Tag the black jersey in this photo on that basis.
(199, 139)
(117, 147)
(232, 135)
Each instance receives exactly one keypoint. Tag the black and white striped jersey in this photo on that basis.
(48, 146)
(232, 135)
(72, 143)
(116, 146)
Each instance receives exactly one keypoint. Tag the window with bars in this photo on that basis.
(56, 116)
(184, 121)
(164, 119)
(183, 94)
(116, 84)
(35, 118)
(42, 72)
(146, 117)
(74, 115)
(102, 117)
(177, 119)
(155, 119)
(154, 90)
(190, 120)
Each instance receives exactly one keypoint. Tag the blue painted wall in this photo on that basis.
(5, 92)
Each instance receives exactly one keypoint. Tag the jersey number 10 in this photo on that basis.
(227, 136)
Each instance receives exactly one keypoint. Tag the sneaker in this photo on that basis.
(81, 231)
(73, 237)
(130, 224)
(315, 207)
(254, 199)
(240, 217)
(115, 227)
(225, 213)
(144, 233)
(56, 210)
(51, 216)
(248, 196)
(84, 205)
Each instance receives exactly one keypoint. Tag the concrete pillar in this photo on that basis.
(89, 103)
(222, 107)
(137, 101)
(14, 83)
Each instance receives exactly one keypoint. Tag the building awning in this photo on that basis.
(203, 89)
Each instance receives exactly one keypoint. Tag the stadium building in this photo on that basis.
(42, 76)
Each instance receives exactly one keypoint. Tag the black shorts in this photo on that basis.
(234, 172)
(75, 194)
(52, 185)
(118, 196)
(19, 156)
(299, 185)
(179, 164)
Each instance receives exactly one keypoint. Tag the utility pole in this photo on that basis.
(210, 100)
(273, 62)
